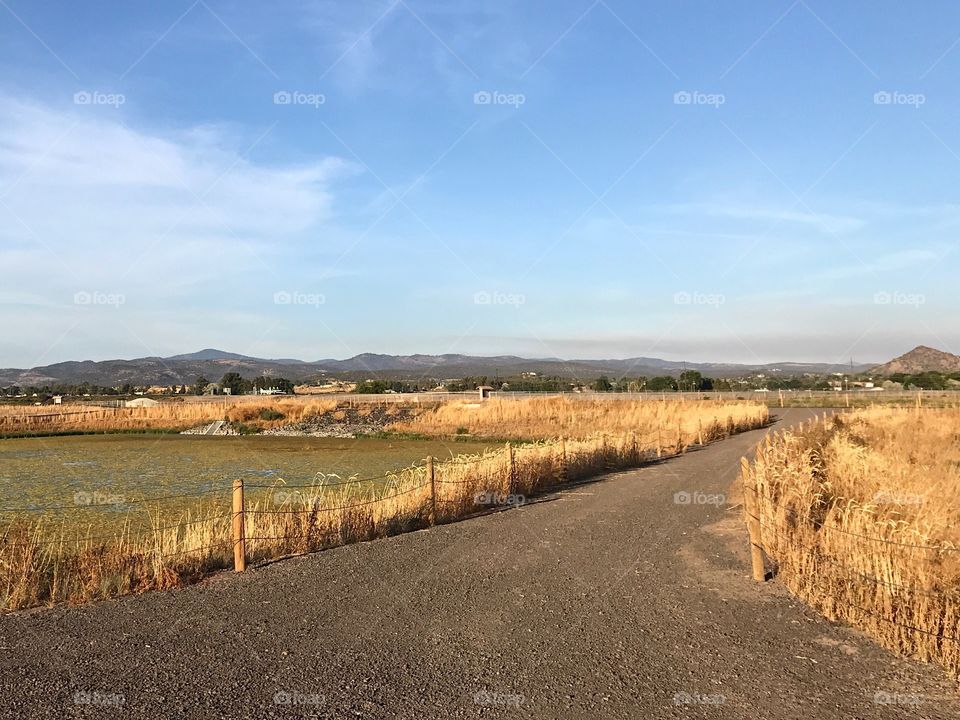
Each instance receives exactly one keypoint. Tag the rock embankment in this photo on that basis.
(345, 422)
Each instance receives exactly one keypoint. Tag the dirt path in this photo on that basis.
(609, 600)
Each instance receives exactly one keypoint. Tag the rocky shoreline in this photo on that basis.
(345, 422)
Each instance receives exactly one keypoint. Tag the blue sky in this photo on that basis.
(737, 181)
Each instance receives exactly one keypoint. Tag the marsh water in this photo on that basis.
(88, 478)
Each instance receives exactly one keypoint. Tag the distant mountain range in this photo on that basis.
(212, 364)
(921, 359)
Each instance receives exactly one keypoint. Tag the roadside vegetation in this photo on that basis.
(860, 515)
(566, 440)
(254, 412)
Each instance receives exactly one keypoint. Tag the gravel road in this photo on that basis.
(608, 600)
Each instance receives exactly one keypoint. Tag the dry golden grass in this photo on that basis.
(169, 415)
(862, 516)
(40, 564)
(553, 417)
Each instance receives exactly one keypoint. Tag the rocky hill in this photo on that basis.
(921, 359)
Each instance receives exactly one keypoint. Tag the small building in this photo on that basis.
(142, 402)
(485, 391)
(58, 399)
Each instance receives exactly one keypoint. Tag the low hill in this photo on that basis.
(212, 364)
(921, 359)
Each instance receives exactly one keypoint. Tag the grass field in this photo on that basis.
(18, 420)
(567, 440)
(861, 515)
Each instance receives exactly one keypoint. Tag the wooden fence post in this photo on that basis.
(750, 506)
(659, 440)
(781, 398)
(433, 490)
(239, 533)
(679, 438)
(699, 431)
(563, 459)
(512, 478)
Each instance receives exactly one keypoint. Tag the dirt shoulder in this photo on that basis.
(612, 599)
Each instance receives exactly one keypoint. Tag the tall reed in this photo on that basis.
(168, 415)
(861, 515)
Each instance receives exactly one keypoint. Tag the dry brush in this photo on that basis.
(860, 514)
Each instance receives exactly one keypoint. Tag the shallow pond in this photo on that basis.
(86, 478)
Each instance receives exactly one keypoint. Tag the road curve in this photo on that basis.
(607, 600)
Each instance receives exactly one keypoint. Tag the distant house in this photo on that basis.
(485, 391)
(141, 402)
(211, 389)
(270, 391)
(58, 399)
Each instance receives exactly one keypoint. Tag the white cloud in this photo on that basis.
(88, 203)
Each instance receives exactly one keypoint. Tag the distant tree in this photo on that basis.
(662, 383)
(371, 387)
(690, 380)
(233, 381)
(200, 385)
(602, 384)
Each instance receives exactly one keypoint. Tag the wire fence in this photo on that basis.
(263, 520)
(557, 460)
(887, 580)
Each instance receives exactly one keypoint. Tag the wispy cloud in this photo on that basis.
(167, 220)
(825, 222)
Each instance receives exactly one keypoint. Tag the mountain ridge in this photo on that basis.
(213, 363)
